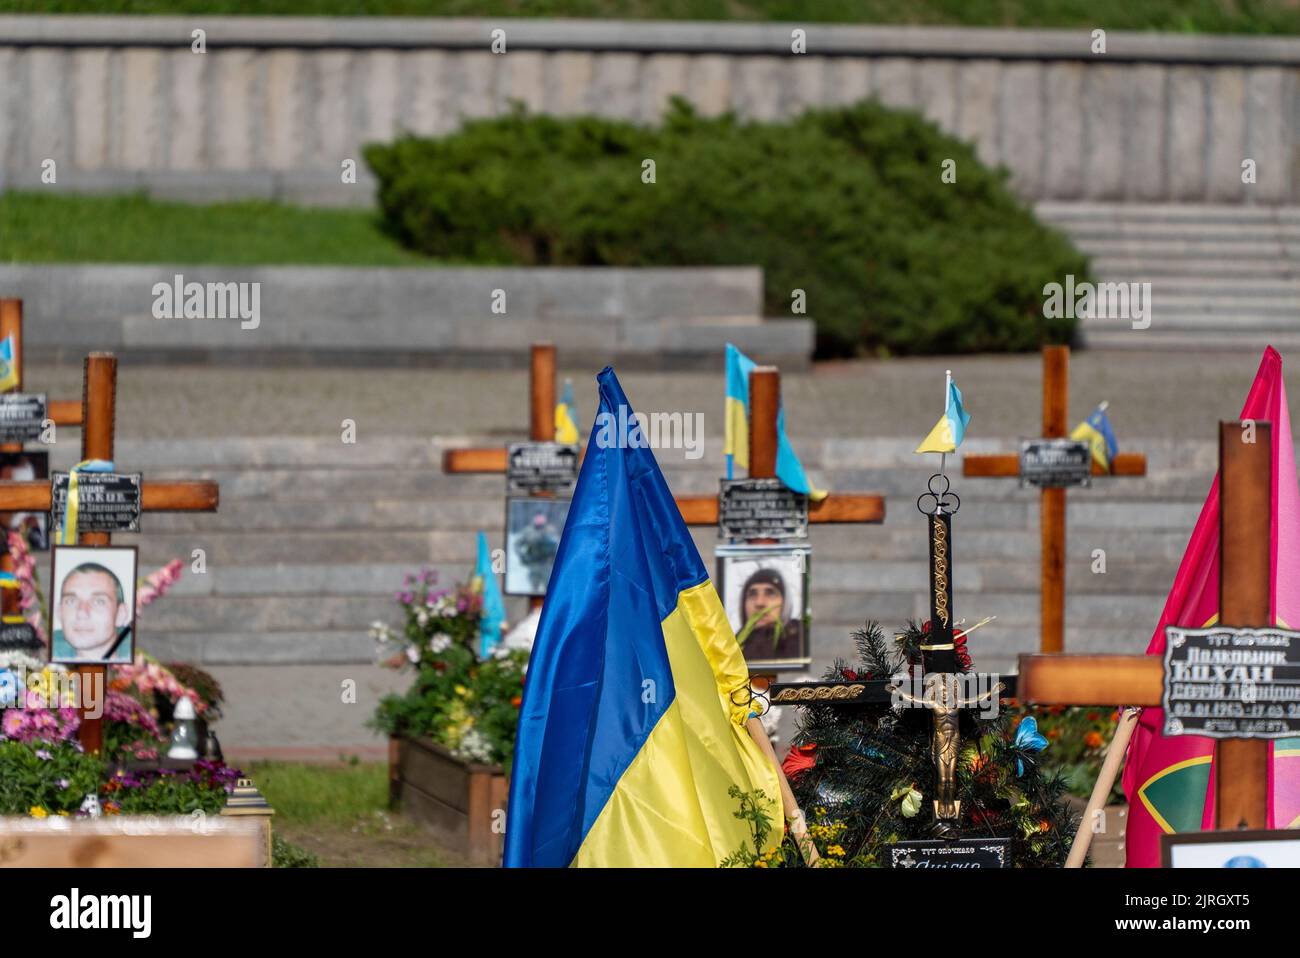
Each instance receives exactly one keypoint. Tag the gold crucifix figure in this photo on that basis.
(942, 696)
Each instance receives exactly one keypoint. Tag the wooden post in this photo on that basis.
(542, 393)
(11, 324)
(99, 400)
(764, 406)
(1245, 532)
(541, 411)
(1056, 401)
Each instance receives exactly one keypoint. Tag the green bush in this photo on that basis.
(46, 778)
(288, 855)
(846, 204)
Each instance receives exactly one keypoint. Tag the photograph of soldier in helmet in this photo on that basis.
(533, 528)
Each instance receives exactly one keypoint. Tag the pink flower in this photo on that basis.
(12, 723)
(30, 599)
(155, 585)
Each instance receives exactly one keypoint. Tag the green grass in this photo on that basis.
(1199, 16)
(322, 794)
(49, 228)
(339, 814)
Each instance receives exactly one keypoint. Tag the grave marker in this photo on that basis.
(99, 401)
(1048, 462)
(1132, 681)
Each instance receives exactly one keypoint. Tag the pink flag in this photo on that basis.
(1169, 781)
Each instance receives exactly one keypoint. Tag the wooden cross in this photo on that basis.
(1056, 402)
(60, 412)
(764, 400)
(764, 406)
(541, 418)
(98, 418)
(1245, 500)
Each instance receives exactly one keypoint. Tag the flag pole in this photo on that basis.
(1101, 790)
(947, 388)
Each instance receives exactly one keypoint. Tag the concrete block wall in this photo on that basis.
(276, 106)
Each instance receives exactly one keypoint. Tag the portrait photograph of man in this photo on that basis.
(93, 605)
(765, 594)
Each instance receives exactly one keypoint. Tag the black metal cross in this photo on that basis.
(941, 682)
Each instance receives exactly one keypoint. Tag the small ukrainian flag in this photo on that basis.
(1096, 431)
(950, 430)
(8, 370)
(736, 436)
(566, 415)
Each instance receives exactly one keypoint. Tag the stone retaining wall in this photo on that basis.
(276, 106)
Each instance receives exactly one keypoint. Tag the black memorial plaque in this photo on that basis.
(1055, 463)
(961, 853)
(106, 501)
(22, 416)
(541, 467)
(19, 637)
(761, 509)
(1224, 682)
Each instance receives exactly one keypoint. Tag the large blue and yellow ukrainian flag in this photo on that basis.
(736, 429)
(629, 738)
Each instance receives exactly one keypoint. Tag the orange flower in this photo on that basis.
(1094, 716)
(1053, 733)
(1044, 825)
(1092, 740)
(517, 701)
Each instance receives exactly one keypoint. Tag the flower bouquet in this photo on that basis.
(466, 703)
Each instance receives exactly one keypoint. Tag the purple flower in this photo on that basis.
(43, 754)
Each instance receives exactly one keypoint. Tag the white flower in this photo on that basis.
(413, 654)
(475, 747)
(422, 618)
(379, 631)
(440, 643)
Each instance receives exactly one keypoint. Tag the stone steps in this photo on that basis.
(313, 538)
(1221, 277)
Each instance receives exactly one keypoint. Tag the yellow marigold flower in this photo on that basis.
(64, 814)
(38, 812)
(760, 864)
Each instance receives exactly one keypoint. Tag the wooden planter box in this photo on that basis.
(463, 803)
(132, 841)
